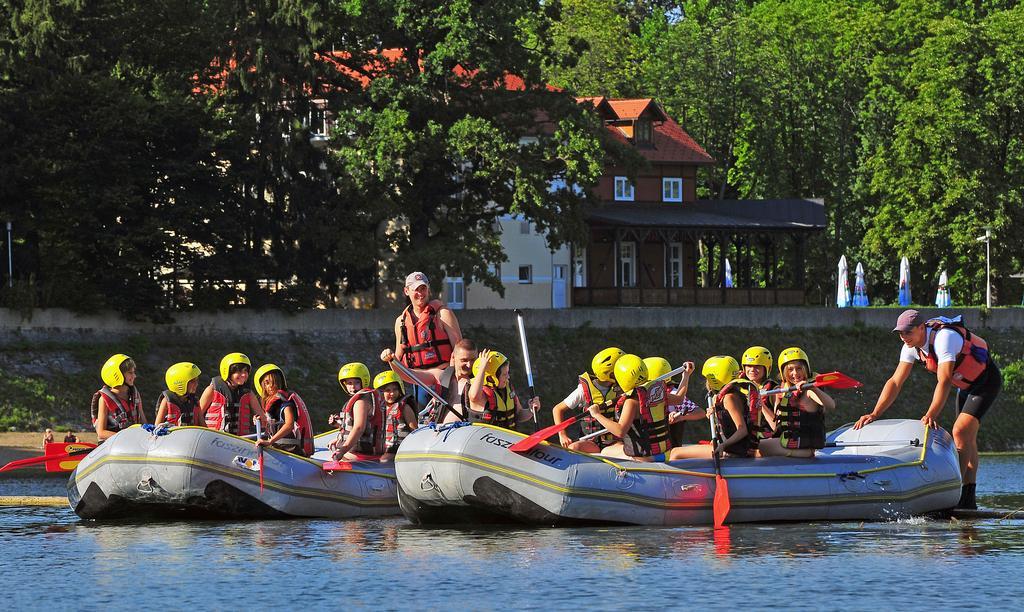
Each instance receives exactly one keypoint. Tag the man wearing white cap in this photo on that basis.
(426, 331)
(959, 359)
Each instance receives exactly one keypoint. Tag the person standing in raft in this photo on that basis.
(799, 419)
(595, 387)
(118, 404)
(757, 368)
(426, 332)
(959, 359)
(737, 413)
(490, 397)
(641, 419)
(290, 427)
(228, 404)
(361, 422)
(399, 412)
(451, 385)
(177, 404)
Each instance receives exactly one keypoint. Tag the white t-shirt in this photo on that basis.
(576, 400)
(948, 345)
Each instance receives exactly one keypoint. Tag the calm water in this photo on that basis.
(51, 557)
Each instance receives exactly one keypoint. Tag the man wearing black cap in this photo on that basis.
(958, 358)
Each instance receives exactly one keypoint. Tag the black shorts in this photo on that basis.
(978, 399)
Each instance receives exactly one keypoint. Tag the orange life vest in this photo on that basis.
(970, 364)
(425, 342)
(180, 410)
(226, 413)
(647, 435)
(302, 431)
(120, 415)
(371, 442)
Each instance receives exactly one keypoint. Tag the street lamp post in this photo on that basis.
(987, 238)
(10, 258)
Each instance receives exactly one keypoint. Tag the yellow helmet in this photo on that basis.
(603, 363)
(263, 370)
(111, 370)
(386, 378)
(354, 370)
(657, 366)
(758, 355)
(794, 353)
(630, 371)
(494, 364)
(231, 359)
(719, 370)
(179, 375)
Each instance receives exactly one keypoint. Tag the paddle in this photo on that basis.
(408, 374)
(521, 324)
(259, 450)
(721, 504)
(914, 442)
(337, 466)
(53, 449)
(528, 443)
(20, 463)
(836, 380)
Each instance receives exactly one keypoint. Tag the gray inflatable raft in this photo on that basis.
(467, 474)
(198, 472)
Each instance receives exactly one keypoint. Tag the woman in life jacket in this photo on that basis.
(177, 404)
(735, 412)
(594, 387)
(229, 404)
(361, 422)
(426, 332)
(490, 397)
(118, 404)
(799, 415)
(290, 427)
(640, 421)
(399, 412)
(757, 366)
(678, 412)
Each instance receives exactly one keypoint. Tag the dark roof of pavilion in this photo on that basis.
(744, 215)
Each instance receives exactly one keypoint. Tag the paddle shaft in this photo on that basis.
(914, 442)
(829, 379)
(259, 450)
(408, 374)
(521, 324)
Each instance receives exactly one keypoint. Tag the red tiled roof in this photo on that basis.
(671, 142)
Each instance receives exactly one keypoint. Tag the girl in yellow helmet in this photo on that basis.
(177, 404)
(734, 411)
(361, 422)
(228, 404)
(757, 368)
(595, 387)
(399, 412)
(799, 415)
(490, 397)
(118, 404)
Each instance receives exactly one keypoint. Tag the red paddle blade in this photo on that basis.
(532, 440)
(836, 380)
(337, 466)
(53, 449)
(721, 504)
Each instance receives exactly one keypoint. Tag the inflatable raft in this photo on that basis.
(198, 472)
(887, 470)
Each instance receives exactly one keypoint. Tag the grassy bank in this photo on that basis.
(47, 380)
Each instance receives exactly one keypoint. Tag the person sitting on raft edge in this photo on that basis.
(490, 397)
(290, 427)
(799, 415)
(641, 418)
(118, 404)
(178, 403)
(595, 387)
(228, 403)
(757, 365)
(361, 422)
(399, 412)
(732, 410)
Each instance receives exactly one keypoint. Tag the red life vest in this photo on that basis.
(797, 428)
(499, 407)
(120, 415)
(302, 431)
(970, 364)
(371, 442)
(395, 427)
(234, 417)
(180, 410)
(425, 342)
(752, 416)
(647, 435)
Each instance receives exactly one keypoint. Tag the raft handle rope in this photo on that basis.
(448, 428)
(158, 430)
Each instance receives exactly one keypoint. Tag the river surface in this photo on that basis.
(50, 557)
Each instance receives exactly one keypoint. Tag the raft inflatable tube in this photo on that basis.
(466, 474)
(202, 473)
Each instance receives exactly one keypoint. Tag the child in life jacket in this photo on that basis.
(288, 419)
(399, 412)
(491, 399)
(361, 422)
(735, 413)
(118, 404)
(594, 387)
(757, 367)
(680, 411)
(799, 415)
(178, 403)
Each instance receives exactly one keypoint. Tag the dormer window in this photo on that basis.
(642, 134)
